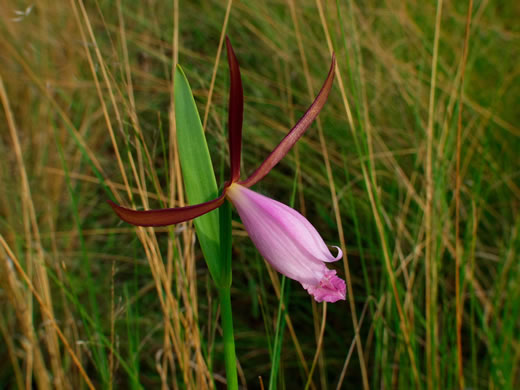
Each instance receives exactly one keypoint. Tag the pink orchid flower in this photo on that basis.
(284, 237)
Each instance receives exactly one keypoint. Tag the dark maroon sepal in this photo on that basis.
(236, 112)
(296, 132)
(163, 217)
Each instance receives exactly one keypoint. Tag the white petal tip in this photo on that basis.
(340, 253)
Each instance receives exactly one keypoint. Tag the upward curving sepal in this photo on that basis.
(236, 112)
(165, 217)
(296, 132)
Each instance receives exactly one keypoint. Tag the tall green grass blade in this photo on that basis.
(99, 353)
(133, 339)
(90, 322)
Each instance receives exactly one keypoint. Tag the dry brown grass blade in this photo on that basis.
(337, 214)
(11, 351)
(32, 232)
(147, 238)
(217, 61)
(386, 56)
(17, 297)
(317, 354)
(368, 181)
(183, 266)
(351, 348)
(94, 180)
(273, 276)
(108, 82)
(162, 275)
(60, 111)
(46, 310)
(378, 219)
(98, 87)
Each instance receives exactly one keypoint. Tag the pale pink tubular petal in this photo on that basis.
(289, 243)
(165, 217)
(236, 112)
(296, 132)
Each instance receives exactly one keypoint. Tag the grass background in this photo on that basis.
(412, 168)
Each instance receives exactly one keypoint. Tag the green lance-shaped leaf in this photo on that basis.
(197, 172)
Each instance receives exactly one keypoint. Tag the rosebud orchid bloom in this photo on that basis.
(284, 237)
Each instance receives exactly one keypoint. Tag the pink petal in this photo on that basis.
(288, 242)
(330, 289)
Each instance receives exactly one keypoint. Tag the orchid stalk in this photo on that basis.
(284, 237)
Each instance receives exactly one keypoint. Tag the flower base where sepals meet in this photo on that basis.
(288, 241)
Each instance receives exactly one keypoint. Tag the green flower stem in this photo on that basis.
(229, 339)
(223, 283)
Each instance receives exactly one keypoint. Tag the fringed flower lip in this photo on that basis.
(282, 235)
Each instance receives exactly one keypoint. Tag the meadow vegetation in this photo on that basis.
(412, 168)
